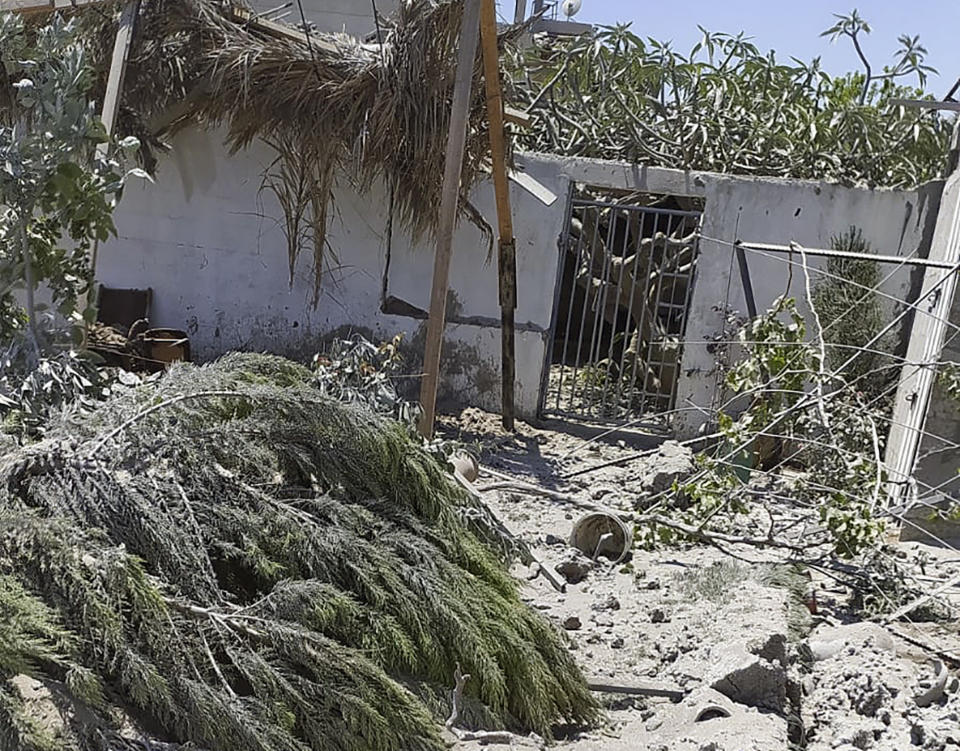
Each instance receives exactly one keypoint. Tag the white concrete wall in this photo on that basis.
(355, 17)
(207, 240)
(774, 211)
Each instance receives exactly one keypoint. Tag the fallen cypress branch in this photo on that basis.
(265, 568)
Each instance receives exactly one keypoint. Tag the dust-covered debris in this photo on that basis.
(738, 637)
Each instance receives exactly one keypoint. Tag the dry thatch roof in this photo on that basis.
(335, 106)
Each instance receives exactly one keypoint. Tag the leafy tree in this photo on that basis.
(57, 188)
(727, 107)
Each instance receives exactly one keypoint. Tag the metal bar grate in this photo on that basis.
(621, 310)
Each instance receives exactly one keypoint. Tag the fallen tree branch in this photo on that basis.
(511, 483)
(156, 408)
(948, 657)
(704, 535)
(637, 455)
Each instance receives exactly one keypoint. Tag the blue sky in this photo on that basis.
(793, 29)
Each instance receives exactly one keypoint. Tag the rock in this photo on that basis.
(574, 570)
(552, 540)
(572, 623)
(598, 493)
(657, 615)
(607, 603)
(651, 585)
(617, 643)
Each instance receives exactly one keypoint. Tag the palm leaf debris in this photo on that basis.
(236, 561)
(330, 105)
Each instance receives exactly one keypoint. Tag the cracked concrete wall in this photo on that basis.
(773, 211)
(208, 241)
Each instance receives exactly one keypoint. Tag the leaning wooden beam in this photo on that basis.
(927, 335)
(450, 198)
(507, 246)
(118, 69)
(111, 102)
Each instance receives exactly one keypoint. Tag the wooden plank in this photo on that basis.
(507, 256)
(533, 186)
(111, 102)
(560, 28)
(927, 336)
(456, 142)
(118, 69)
(638, 689)
(517, 117)
(280, 30)
(29, 7)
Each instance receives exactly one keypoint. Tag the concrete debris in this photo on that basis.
(871, 698)
(708, 720)
(747, 678)
(672, 463)
(658, 615)
(827, 641)
(730, 638)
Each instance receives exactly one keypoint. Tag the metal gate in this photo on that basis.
(620, 311)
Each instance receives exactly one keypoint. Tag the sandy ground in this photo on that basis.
(734, 634)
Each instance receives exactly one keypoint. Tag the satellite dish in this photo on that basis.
(571, 7)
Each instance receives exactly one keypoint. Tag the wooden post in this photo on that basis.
(507, 256)
(459, 116)
(108, 114)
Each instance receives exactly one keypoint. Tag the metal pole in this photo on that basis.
(459, 115)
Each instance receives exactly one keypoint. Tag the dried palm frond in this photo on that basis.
(328, 103)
